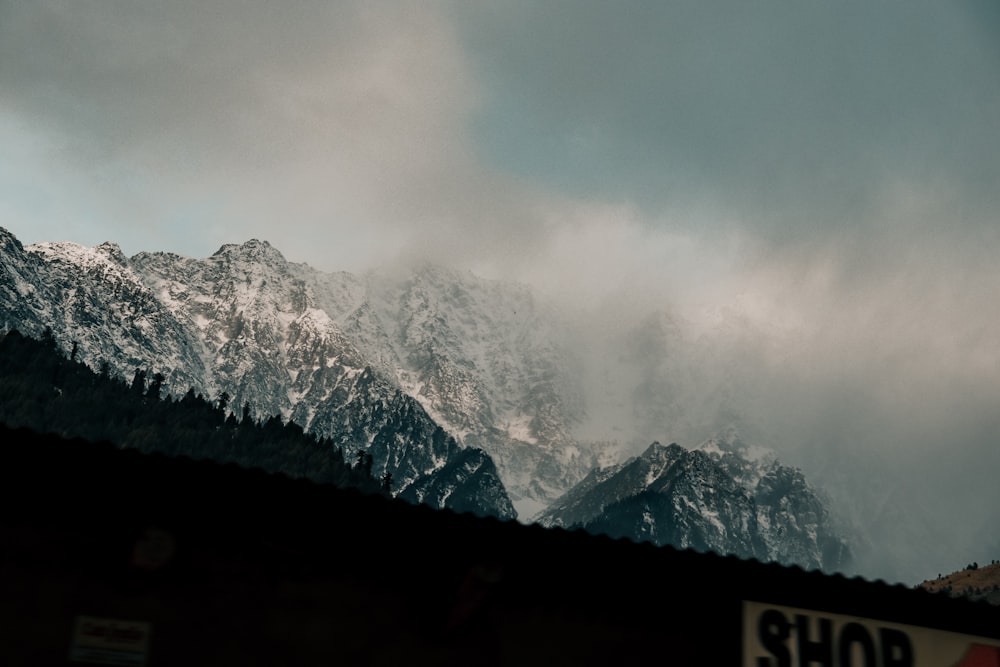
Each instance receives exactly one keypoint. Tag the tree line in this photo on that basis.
(44, 390)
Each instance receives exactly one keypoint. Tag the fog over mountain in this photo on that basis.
(780, 218)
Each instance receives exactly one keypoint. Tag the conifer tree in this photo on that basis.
(155, 386)
(139, 382)
(101, 407)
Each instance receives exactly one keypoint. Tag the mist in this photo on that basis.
(885, 396)
(783, 219)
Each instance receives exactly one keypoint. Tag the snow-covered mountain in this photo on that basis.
(479, 358)
(724, 496)
(241, 322)
(466, 390)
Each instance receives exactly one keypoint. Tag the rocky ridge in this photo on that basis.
(724, 497)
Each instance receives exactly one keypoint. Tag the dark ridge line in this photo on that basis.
(200, 474)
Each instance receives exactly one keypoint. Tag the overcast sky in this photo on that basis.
(815, 183)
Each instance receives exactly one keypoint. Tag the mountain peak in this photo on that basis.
(655, 449)
(113, 252)
(8, 240)
(707, 499)
(105, 254)
(730, 442)
(253, 249)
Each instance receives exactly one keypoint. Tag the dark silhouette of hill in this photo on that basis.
(234, 566)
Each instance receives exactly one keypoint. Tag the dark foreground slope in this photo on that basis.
(212, 564)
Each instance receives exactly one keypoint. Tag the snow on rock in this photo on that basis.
(713, 498)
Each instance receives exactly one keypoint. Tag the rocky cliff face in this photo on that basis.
(723, 497)
(478, 356)
(243, 323)
(90, 296)
(482, 357)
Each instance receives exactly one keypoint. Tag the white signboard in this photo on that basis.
(108, 641)
(775, 636)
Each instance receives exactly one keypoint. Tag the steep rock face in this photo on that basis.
(281, 353)
(481, 357)
(19, 283)
(469, 474)
(238, 322)
(92, 297)
(478, 356)
(258, 329)
(399, 436)
(723, 497)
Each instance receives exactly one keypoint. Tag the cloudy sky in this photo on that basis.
(813, 185)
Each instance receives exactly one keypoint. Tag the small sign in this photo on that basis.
(109, 641)
(776, 636)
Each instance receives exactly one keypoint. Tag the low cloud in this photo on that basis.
(336, 131)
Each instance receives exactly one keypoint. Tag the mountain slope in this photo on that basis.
(481, 357)
(976, 582)
(720, 497)
(477, 355)
(238, 322)
(42, 390)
